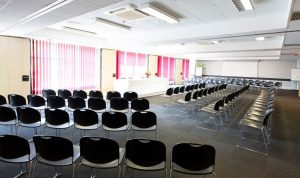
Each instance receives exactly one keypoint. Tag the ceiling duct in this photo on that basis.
(129, 13)
(295, 16)
(238, 4)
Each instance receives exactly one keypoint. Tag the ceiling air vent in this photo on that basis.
(129, 13)
(238, 4)
(295, 16)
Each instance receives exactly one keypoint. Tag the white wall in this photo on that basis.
(276, 69)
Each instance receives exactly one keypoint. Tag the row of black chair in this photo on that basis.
(103, 153)
(83, 119)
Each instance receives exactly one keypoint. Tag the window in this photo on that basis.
(166, 67)
(63, 66)
(131, 65)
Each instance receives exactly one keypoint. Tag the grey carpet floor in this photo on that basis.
(231, 162)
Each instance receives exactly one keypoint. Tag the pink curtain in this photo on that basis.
(185, 68)
(62, 66)
(159, 66)
(120, 64)
(171, 69)
(165, 67)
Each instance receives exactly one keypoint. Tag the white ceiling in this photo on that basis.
(201, 21)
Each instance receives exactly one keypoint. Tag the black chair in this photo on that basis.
(193, 159)
(56, 102)
(278, 84)
(114, 122)
(65, 94)
(130, 95)
(144, 121)
(140, 104)
(86, 119)
(16, 100)
(75, 102)
(8, 117)
(80, 93)
(58, 119)
(36, 102)
(29, 117)
(95, 94)
(145, 155)
(168, 95)
(119, 105)
(55, 151)
(15, 149)
(2, 100)
(112, 94)
(100, 153)
(97, 104)
(48, 92)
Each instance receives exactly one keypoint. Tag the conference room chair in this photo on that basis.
(55, 151)
(95, 94)
(2, 100)
(119, 105)
(75, 102)
(183, 103)
(80, 93)
(145, 155)
(193, 159)
(36, 102)
(85, 120)
(30, 118)
(48, 92)
(167, 96)
(175, 94)
(64, 93)
(17, 150)
(57, 119)
(261, 126)
(114, 122)
(144, 122)
(56, 102)
(100, 153)
(140, 104)
(130, 95)
(8, 117)
(97, 104)
(214, 110)
(112, 94)
(15, 100)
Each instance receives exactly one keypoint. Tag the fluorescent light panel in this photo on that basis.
(78, 31)
(108, 22)
(55, 5)
(247, 4)
(158, 13)
(260, 38)
(215, 42)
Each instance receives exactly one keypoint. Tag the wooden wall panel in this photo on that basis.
(15, 62)
(108, 68)
(152, 65)
(178, 72)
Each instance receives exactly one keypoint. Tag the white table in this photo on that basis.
(143, 86)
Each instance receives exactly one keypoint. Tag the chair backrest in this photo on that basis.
(16, 100)
(35, 100)
(195, 95)
(99, 150)
(145, 152)
(12, 147)
(140, 104)
(118, 103)
(176, 90)
(95, 94)
(130, 95)
(200, 93)
(188, 88)
(56, 116)
(194, 157)
(219, 103)
(7, 114)
(85, 117)
(278, 84)
(144, 119)
(114, 119)
(28, 115)
(267, 116)
(53, 148)
(2, 100)
(48, 92)
(188, 96)
(76, 102)
(96, 103)
(64, 93)
(80, 93)
(181, 89)
(55, 102)
(169, 91)
(112, 94)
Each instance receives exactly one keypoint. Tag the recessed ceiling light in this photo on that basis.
(247, 4)
(215, 42)
(158, 13)
(260, 38)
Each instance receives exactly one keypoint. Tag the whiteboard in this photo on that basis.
(240, 69)
(295, 74)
